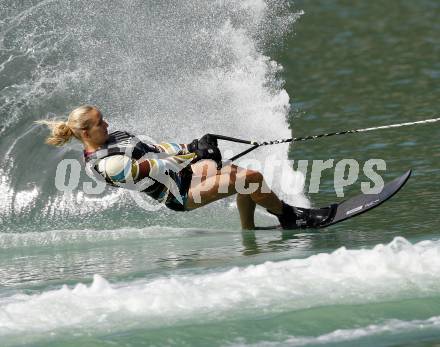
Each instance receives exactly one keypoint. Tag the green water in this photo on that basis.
(355, 65)
(196, 279)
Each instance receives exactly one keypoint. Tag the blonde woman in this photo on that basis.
(167, 171)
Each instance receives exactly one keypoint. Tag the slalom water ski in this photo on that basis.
(358, 204)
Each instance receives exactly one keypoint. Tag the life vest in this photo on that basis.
(124, 143)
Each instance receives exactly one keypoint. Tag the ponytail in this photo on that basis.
(61, 133)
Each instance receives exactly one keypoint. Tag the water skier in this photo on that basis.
(166, 171)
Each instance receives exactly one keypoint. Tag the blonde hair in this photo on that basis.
(62, 132)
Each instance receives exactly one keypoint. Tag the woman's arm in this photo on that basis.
(172, 148)
(153, 168)
(118, 168)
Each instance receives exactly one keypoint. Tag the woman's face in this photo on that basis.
(97, 133)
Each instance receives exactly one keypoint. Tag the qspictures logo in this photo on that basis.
(346, 172)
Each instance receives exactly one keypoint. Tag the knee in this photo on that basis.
(247, 181)
(253, 176)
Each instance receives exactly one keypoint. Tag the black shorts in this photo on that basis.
(183, 181)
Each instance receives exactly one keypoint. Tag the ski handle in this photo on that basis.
(256, 144)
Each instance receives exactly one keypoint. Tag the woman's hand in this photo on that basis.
(206, 148)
